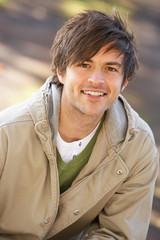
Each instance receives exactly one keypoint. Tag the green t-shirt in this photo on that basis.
(69, 171)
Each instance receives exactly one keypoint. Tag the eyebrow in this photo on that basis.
(113, 64)
(108, 63)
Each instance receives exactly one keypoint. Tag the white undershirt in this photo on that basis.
(70, 150)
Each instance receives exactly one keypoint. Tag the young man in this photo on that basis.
(76, 161)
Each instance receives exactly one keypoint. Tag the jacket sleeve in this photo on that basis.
(3, 150)
(127, 215)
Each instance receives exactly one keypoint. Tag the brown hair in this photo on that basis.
(83, 36)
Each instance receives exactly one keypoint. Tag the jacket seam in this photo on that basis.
(14, 122)
(145, 162)
(147, 135)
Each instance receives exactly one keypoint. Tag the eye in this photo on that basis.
(111, 69)
(84, 65)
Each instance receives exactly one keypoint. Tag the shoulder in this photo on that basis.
(139, 150)
(16, 113)
(135, 122)
(26, 111)
(139, 146)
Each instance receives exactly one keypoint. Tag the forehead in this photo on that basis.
(109, 49)
(106, 52)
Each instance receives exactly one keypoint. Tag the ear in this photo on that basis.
(60, 76)
(124, 85)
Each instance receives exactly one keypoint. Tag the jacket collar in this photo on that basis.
(117, 122)
(44, 107)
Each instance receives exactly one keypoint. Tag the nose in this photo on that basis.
(96, 78)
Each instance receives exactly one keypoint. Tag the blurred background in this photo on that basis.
(27, 30)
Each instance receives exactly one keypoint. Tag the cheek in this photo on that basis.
(117, 83)
(113, 83)
(115, 88)
(78, 75)
(69, 87)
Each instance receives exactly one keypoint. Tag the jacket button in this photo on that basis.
(46, 222)
(76, 212)
(132, 131)
(119, 172)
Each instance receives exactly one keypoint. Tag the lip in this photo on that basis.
(100, 93)
(94, 90)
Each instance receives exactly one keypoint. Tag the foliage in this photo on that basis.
(3, 2)
(72, 7)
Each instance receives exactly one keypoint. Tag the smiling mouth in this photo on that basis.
(95, 94)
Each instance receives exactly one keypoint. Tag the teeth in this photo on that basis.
(94, 93)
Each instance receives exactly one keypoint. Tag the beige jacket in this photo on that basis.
(114, 190)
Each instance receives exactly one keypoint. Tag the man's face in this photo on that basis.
(93, 86)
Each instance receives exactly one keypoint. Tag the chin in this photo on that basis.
(93, 113)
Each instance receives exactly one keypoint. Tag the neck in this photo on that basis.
(75, 125)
